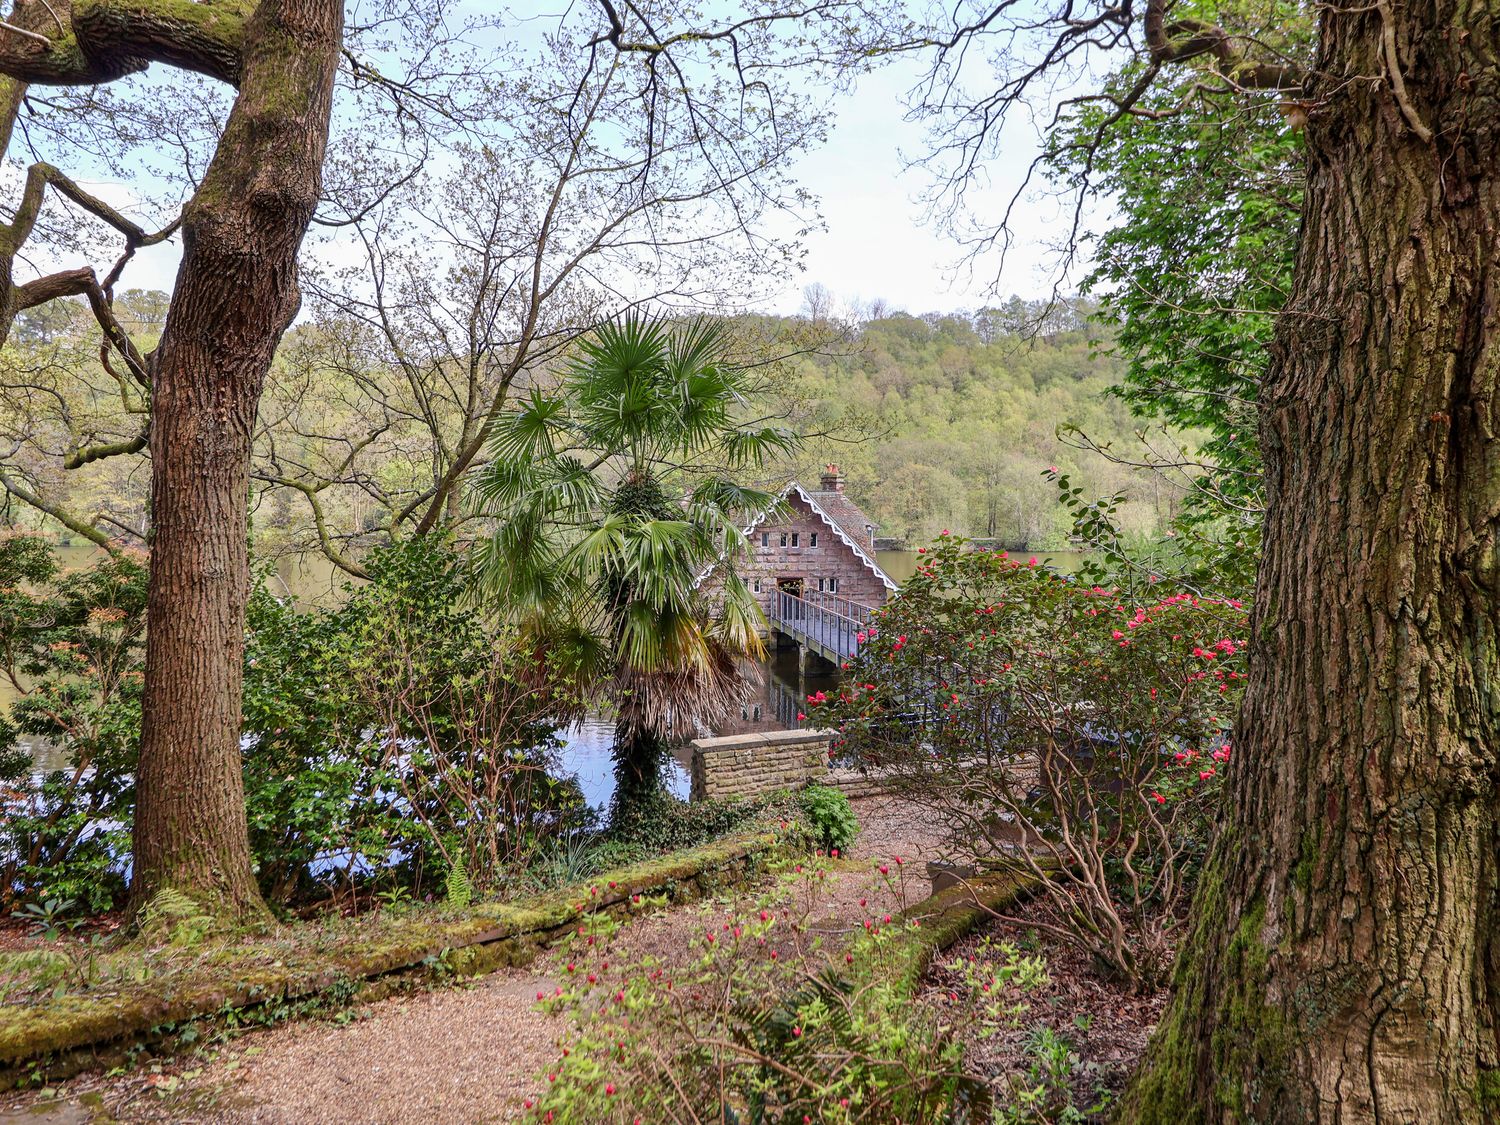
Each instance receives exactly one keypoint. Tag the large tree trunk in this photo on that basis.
(236, 292)
(1343, 962)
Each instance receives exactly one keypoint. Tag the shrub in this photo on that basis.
(395, 734)
(399, 730)
(1052, 727)
(654, 821)
(71, 644)
(831, 816)
(768, 1024)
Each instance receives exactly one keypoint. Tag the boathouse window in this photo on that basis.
(765, 538)
(833, 585)
(820, 585)
(812, 539)
(795, 537)
(757, 585)
(783, 539)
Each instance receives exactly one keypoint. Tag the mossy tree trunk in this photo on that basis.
(1343, 963)
(236, 293)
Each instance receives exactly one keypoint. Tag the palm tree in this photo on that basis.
(613, 494)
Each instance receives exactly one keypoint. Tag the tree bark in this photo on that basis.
(236, 292)
(1343, 962)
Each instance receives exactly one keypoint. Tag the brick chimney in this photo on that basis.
(832, 480)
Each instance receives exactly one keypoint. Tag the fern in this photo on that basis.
(171, 912)
(460, 891)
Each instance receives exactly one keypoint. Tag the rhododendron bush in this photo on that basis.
(777, 1011)
(1054, 727)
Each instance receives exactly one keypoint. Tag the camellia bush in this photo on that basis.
(1053, 727)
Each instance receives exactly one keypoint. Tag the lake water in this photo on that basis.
(772, 705)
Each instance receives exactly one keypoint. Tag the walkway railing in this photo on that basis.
(827, 623)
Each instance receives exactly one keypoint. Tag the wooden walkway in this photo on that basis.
(825, 624)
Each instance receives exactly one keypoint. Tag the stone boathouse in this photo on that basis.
(811, 567)
(815, 542)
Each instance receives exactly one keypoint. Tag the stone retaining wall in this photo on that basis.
(73, 1031)
(742, 765)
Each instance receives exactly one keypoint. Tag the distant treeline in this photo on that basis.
(961, 413)
(940, 421)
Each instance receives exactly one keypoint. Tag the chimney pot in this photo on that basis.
(832, 479)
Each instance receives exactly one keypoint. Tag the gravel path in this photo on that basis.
(464, 1054)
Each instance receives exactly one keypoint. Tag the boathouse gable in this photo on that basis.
(815, 541)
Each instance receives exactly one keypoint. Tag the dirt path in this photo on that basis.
(464, 1054)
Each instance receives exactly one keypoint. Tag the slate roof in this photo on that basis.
(843, 518)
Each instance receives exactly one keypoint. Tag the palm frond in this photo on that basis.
(530, 431)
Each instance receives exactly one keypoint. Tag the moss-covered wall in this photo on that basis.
(77, 1029)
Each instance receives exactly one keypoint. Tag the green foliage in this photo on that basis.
(768, 1024)
(831, 815)
(1207, 186)
(50, 918)
(1043, 1094)
(1197, 554)
(72, 644)
(459, 891)
(175, 917)
(397, 732)
(656, 821)
(1017, 705)
(1200, 261)
(958, 413)
(398, 729)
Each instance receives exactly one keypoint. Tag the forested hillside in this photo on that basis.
(937, 421)
(960, 415)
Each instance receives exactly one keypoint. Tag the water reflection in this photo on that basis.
(773, 704)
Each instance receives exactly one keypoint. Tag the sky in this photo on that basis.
(877, 242)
